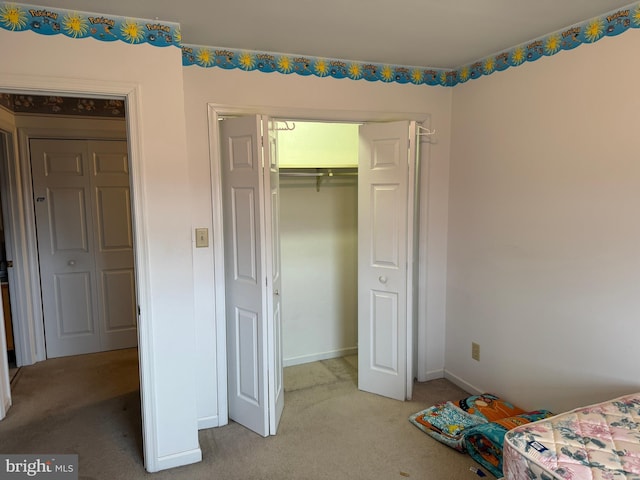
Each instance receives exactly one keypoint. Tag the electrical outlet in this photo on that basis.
(475, 351)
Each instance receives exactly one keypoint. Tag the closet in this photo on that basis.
(291, 298)
(318, 239)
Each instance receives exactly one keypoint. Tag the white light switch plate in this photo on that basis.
(202, 237)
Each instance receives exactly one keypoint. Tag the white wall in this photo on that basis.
(163, 229)
(314, 144)
(544, 263)
(345, 99)
(319, 257)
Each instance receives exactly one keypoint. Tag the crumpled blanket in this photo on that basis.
(484, 442)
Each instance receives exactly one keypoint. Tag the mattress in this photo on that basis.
(598, 442)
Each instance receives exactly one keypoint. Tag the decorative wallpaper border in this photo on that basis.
(55, 105)
(609, 24)
(107, 28)
(269, 62)
(591, 31)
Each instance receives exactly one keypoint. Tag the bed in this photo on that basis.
(598, 442)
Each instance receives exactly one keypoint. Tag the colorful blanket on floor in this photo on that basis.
(476, 424)
(484, 442)
(447, 422)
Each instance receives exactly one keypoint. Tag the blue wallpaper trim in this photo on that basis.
(107, 28)
(268, 62)
(591, 31)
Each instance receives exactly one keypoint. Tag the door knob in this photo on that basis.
(276, 293)
(382, 279)
(72, 262)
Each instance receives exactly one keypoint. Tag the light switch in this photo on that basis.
(202, 237)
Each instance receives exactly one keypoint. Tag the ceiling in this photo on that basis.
(425, 33)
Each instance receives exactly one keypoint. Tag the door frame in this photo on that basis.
(23, 245)
(6, 144)
(217, 110)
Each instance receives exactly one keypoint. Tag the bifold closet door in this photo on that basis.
(252, 275)
(385, 222)
(85, 245)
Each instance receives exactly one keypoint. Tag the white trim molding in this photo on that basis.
(215, 112)
(43, 85)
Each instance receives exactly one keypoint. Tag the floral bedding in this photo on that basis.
(598, 442)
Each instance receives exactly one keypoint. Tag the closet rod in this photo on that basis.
(318, 174)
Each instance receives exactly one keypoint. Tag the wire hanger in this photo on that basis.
(424, 131)
(286, 125)
(427, 133)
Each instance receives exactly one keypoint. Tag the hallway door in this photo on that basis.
(386, 172)
(85, 245)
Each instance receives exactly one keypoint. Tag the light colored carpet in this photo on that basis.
(90, 405)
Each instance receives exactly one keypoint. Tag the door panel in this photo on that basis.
(85, 245)
(68, 213)
(384, 329)
(114, 229)
(113, 244)
(383, 229)
(245, 285)
(64, 226)
(276, 373)
(244, 226)
(74, 304)
(246, 336)
(384, 225)
(252, 266)
(119, 305)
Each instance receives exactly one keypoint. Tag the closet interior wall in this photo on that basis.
(319, 246)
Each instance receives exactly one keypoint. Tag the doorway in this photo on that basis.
(44, 129)
(319, 239)
(91, 149)
(386, 204)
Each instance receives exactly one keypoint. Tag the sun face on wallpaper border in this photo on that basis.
(13, 17)
(132, 31)
(74, 25)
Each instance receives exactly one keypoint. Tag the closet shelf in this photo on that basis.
(319, 173)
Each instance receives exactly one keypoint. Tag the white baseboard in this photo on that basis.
(432, 375)
(316, 357)
(177, 460)
(208, 422)
(466, 386)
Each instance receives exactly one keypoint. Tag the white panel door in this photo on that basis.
(272, 188)
(81, 199)
(252, 271)
(384, 230)
(113, 252)
(64, 225)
